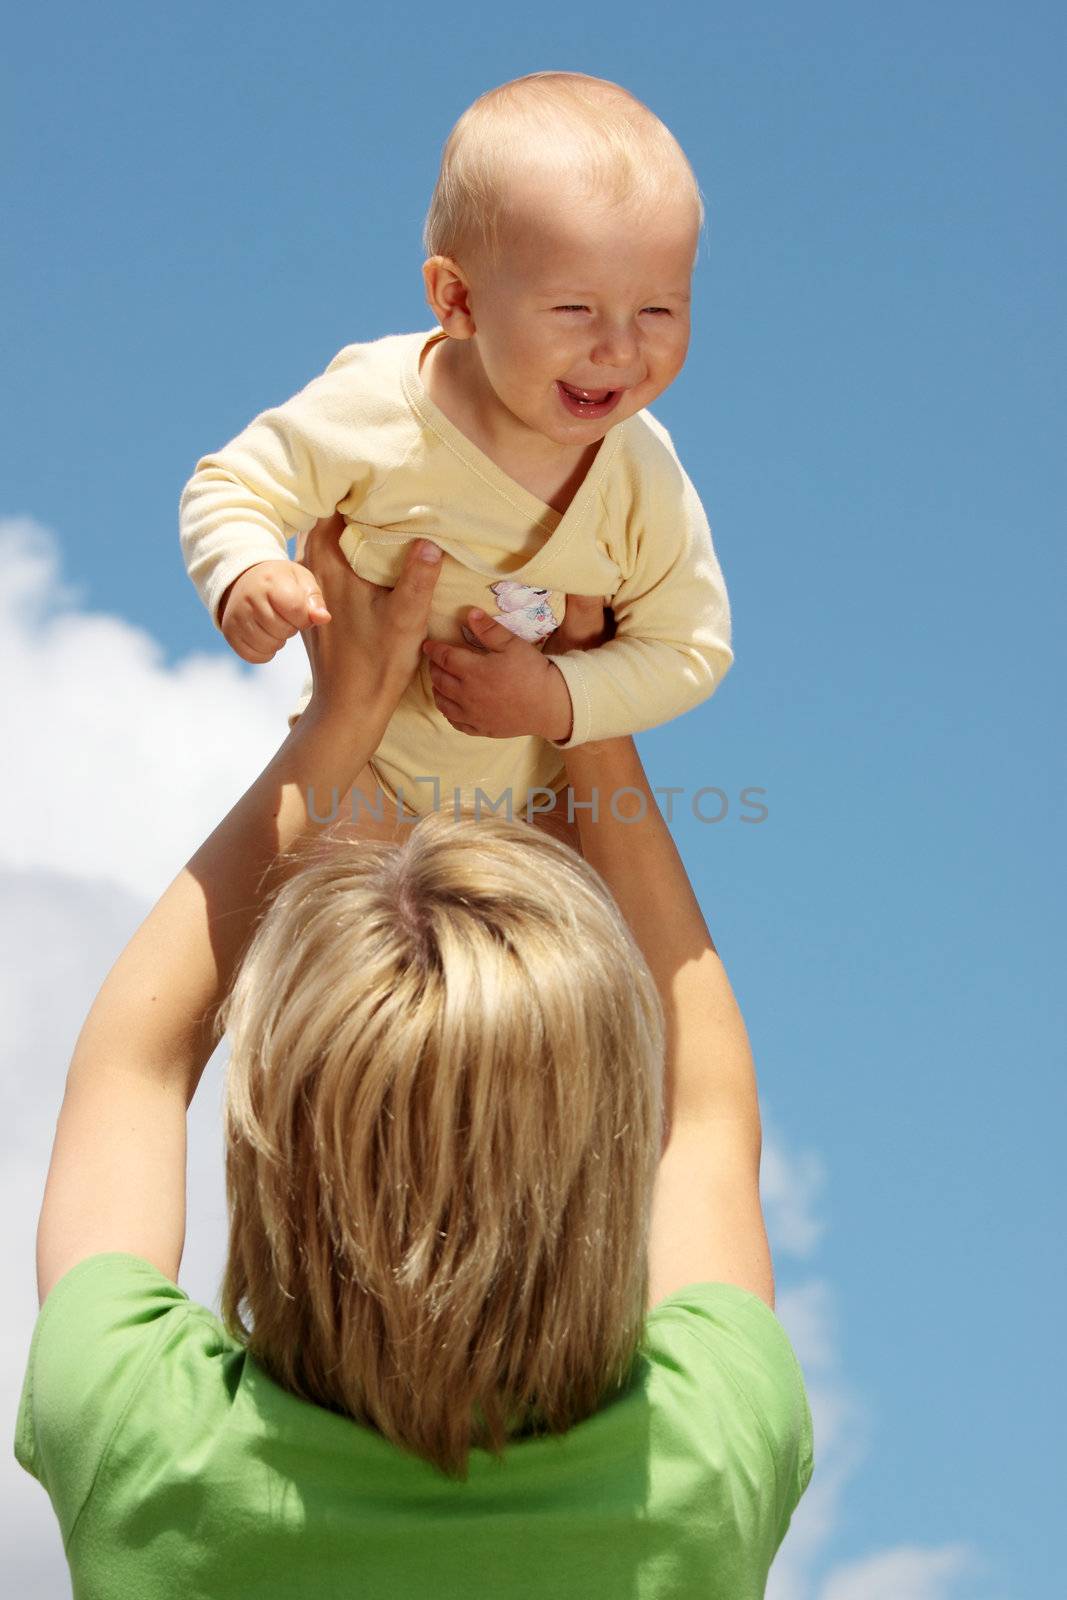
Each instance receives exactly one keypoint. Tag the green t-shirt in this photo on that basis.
(177, 1467)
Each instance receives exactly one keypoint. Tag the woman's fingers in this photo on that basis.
(370, 645)
(587, 622)
(409, 603)
(321, 558)
(406, 607)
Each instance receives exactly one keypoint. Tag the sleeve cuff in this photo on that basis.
(570, 666)
(213, 589)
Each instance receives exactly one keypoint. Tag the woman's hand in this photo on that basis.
(366, 654)
(587, 623)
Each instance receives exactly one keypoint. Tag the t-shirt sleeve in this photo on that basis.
(95, 1339)
(745, 1341)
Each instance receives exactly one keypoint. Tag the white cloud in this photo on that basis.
(902, 1574)
(148, 758)
(124, 763)
(791, 1186)
(809, 1311)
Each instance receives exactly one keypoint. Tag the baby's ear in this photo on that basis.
(447, 295)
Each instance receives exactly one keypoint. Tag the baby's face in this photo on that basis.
(583, 297)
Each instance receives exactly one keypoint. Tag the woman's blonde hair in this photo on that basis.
(444, 1119)
(586, 130)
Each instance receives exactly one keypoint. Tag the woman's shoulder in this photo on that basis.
(706, 1299)
(734, 1347)
(101, 1304)
(102, 1331)
(728, 1322)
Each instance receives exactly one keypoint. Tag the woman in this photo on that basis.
(454, 1198)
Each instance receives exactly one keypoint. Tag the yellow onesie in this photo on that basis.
(366, 439)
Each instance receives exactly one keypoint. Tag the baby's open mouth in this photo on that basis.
(588, 396)
(591, 403)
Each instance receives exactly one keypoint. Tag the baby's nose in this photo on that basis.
(616, 348)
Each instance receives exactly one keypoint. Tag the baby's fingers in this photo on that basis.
(257, 638)
(256, 658)
(297, 599)
(485, 633)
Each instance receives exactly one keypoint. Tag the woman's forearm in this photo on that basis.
(637, 855)
(158, 1005)
(710, 1061)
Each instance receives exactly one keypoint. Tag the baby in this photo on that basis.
(561, 237)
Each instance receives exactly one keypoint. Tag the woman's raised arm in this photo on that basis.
(117, 1177)
(707, 1220)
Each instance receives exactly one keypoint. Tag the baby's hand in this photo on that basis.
(502, 687)
(266, 605)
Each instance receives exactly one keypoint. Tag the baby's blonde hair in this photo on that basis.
(444, 1119)
(596, 134)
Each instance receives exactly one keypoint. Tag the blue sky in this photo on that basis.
(209, 202)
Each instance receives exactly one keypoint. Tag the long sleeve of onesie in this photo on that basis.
(671, 648)
(292, 465)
